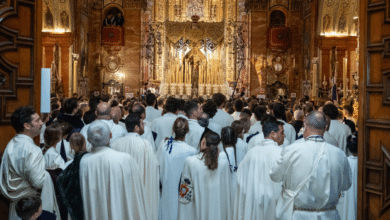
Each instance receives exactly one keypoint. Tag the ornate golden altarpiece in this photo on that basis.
(192, 47)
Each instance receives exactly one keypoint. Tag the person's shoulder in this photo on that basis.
(334, 150)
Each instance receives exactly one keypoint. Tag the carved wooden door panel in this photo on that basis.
(374, 110)
(20, 63)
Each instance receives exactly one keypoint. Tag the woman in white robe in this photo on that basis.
(239, 127)
(171, 159)
(230, 153)
(205, 184)
(66, 130)
(52, 136)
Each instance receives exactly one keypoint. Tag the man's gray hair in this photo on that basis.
(299, 115)
(316, 120)
(99, 134)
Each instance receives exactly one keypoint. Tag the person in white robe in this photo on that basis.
(143, 153)
(205, 184)
(147, 135)
(279, 112)
(52, 136)
(151, 112)
(103, 112)
(238, 106)
(238, 127)
(337, 129)
(210, 108)
(347, 205)
(313, 175)
(194, 112)
(171, 159)
(232, 154)
(259, 112)
(160, 125)
(66, 130)
(256, 194)
(110, 181)
(221, 117)
(23, 166)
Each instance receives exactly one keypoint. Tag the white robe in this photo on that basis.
(116, 131)
(215, 127)
(208, 195)
(241, 146)
(53, 160)
(256, 127)
(347, 206)
(236, 115)
(289, 131)
(171, 166)
(223, 118)
(152, 113)
(330, 139)
(147, 135)
(23, 174)
(322, 191)
(143, 153)
(240, 154)
(163, 126)
(68, 150)
(195, 133)
(340, 132)
(256, 194)
(111, 186)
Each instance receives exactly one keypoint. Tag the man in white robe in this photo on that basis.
(221, 117)
(143, 153)
(103, 112)
(163, 125)
(279, 110)
(337, 129)
(211, 109)
(23, 166)
(151, 112)
(313, 175)
(259, 112)
(147, 135)
(256, 194)
(238, 106)
(194, 111)
(110, 181)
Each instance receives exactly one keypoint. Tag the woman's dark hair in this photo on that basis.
(180, 128)
(77, 140)
(238, 127)
(210, 153)
(52, 135)
(229, 139)
(69, 105)
(66, 128)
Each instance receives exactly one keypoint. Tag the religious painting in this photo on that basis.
(279, 2)
(49, 20)
(64, 19)
(342, 24)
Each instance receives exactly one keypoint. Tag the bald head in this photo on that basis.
(103, 110)
(115, 114)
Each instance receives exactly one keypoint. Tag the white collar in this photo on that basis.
(267, 141)
(132, 134)
(23, 136)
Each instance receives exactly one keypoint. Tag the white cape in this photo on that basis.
(111, 186)
(143, 153)
(256, 194)
(171, 162)
(205, 194)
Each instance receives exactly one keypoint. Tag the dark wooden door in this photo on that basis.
(374, 110)
(20, 63)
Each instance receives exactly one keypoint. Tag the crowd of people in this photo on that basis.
(109, 157)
